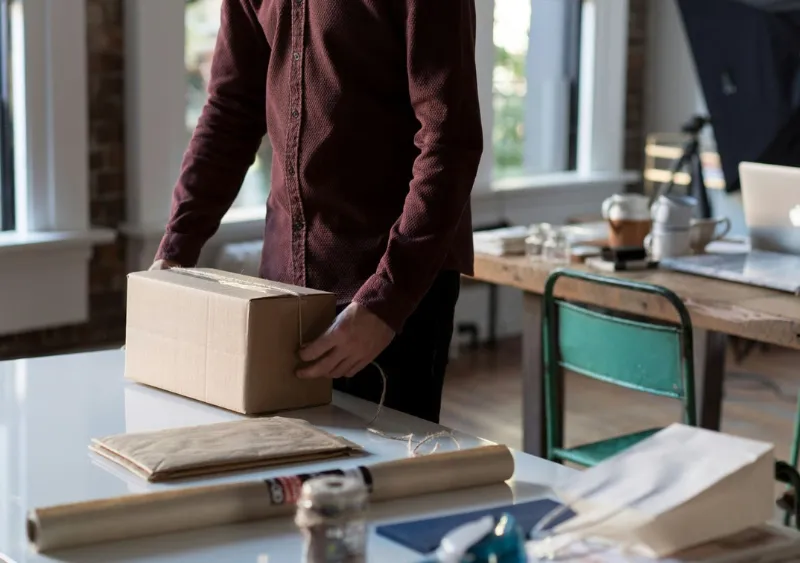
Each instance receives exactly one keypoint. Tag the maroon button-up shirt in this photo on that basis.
(371, 107)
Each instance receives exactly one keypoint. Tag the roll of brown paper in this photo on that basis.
(149, 514)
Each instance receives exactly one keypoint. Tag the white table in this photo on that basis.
(50, 409)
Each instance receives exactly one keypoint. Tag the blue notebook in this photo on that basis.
(424, 536)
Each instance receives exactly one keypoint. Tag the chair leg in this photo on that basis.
(785, 473)
(492, 339)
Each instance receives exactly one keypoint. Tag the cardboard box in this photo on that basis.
(225, 339)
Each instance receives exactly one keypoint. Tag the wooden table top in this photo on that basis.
(750, 312)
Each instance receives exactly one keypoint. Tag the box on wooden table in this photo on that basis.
(225, 339)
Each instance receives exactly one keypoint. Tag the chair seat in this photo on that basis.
(589, 455)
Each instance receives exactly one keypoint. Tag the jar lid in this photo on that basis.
(331, 496)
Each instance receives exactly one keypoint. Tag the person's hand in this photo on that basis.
(164, 265)
(354, 339)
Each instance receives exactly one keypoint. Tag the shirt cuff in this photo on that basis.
(386, 301)
(183, 249)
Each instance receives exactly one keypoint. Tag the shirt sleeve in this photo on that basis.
(440, 58)
(224, 144)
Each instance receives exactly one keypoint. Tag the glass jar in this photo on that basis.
(556, 248)
(331, 514)
(535, 242)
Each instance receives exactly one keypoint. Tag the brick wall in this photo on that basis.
(107, 176)
(107, 194)
(634, 105)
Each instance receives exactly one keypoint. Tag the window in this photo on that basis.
(7, 188)
(535, 86)
(202, 25)
(551, 74)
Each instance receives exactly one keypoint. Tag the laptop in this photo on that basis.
(771, 200)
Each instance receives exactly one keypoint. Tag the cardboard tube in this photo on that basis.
(149, 514)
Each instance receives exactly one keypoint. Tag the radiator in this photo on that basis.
(240, 257)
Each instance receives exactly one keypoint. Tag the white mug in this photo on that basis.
(668, 244)
(674, 212)
(704, 231)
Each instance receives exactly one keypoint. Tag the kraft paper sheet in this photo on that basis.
(179, 453)
(137, 516)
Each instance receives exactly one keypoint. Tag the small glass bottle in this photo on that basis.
(535, 241)
(331, 513)
(556, 248)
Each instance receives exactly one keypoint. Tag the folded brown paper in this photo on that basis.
(178, 453)
(136, 516)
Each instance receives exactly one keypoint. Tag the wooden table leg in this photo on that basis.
(710, 348)
(533, 412)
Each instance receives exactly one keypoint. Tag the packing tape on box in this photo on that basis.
(261, 286)
(149, 514)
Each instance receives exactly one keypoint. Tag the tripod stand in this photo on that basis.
(691, 156)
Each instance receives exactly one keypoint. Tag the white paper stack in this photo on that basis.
(501, 242)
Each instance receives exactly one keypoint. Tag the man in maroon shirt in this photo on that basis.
(371, 107)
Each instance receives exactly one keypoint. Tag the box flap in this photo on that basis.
(225, 283)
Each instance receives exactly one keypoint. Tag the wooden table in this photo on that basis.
(718, 309)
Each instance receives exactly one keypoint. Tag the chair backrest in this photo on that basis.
(637, 353)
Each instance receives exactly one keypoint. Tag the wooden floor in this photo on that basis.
(483, 390)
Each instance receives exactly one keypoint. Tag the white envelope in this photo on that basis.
(682, 487)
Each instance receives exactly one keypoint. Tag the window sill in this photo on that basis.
(13, 242)
(247, 223)
(45, 278)
(557, 182)
(239, 224)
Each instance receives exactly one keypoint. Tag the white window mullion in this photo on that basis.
(601, 121)
(484, 61)
(156, 134)
(50, 116)
(69, 117)
(547, 101)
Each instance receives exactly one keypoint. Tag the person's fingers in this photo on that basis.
(324, 366)
(343, 369)
(319, 347)
(356, 367)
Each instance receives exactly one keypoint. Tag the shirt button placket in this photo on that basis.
(293, 142)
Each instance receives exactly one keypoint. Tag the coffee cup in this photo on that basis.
(674, 212)
(705, 231)
(668, 244)
(628, 217)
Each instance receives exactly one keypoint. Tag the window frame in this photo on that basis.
(7, 186)
(600, 143)
(52, 239)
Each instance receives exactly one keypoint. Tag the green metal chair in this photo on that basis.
(640, 354)
(787, 473)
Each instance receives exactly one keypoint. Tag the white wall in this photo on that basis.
(672, 90)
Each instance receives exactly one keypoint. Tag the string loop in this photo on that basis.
(413, 449)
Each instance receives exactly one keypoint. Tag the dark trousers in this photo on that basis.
(416, 360)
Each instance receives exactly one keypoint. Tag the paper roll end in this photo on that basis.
(32, 529)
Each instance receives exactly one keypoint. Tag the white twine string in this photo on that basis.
(413, 449)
